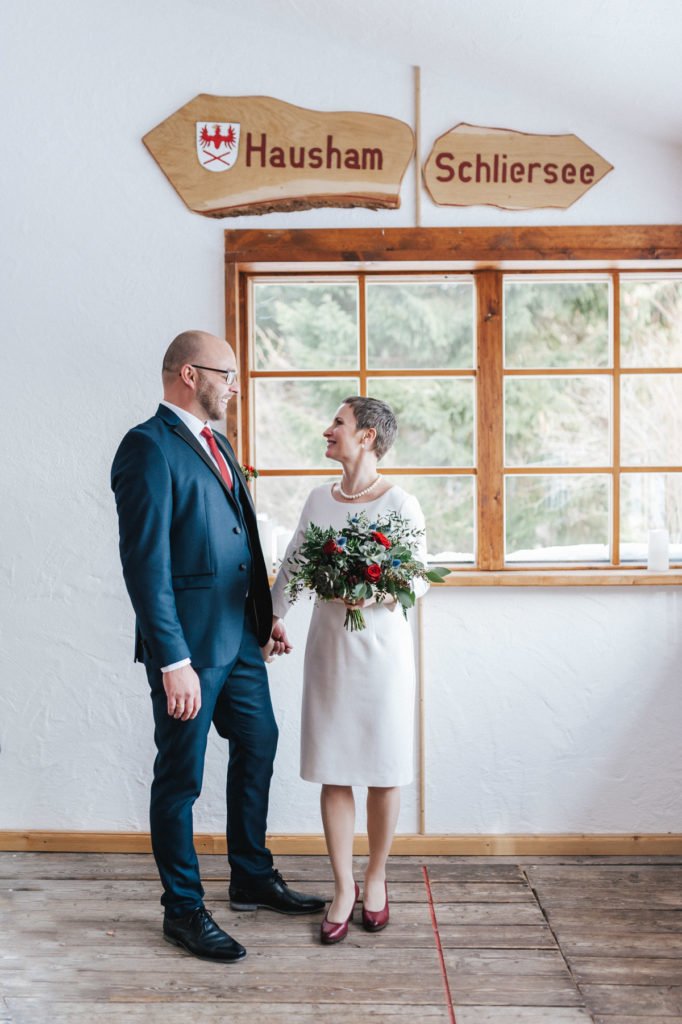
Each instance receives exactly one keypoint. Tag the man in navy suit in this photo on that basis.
(195, 573)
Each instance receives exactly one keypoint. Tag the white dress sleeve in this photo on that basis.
(411, 510)
(280, 601)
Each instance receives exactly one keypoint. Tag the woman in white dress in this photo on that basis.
(357, 724)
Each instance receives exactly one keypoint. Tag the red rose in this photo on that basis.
(330, 547)
(373, 572)
(380, 538)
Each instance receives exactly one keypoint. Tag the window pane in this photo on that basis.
(421, 325)
(557, 421)
(279, 501)
(552, 324)
(448, 504)
(651, 419)
(649, 501)
(435, 420)
(310, 326)
(651, 322)
(290, 417)
(557, 518)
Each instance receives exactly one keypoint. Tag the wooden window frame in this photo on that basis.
(487, 252)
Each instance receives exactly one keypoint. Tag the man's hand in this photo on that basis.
(183, 692)
(279, 637)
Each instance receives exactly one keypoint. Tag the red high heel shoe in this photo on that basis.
(335, 931)
(375, 920)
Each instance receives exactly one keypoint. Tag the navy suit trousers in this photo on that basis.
(236, 698)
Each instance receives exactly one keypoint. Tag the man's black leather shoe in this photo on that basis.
(273, 894)
(198, 933)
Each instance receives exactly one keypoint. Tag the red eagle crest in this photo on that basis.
(217, 138)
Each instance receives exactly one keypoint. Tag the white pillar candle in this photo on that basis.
(265, 535)
(659, 558)
(282, 538)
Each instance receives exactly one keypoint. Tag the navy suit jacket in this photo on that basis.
(191, 556)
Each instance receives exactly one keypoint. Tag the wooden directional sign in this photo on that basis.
(227, 156)
(473, 166)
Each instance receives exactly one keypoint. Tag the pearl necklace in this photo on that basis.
(360, 494)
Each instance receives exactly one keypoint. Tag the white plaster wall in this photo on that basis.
(103, 266)
(555, 710)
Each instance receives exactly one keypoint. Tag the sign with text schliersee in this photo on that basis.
(227, 156)
(475, 166)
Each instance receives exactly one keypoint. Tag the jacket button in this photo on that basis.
(243, 567)
(236, 529)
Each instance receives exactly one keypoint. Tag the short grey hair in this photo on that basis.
(371, 413)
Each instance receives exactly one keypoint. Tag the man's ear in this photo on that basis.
(188, 375)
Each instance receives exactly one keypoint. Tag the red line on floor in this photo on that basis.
(439, 948)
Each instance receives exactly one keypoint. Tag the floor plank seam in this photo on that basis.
(557, 943)
(439, 947)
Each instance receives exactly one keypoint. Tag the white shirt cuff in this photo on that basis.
(176, 664)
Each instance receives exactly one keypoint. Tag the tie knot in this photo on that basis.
(207, 432)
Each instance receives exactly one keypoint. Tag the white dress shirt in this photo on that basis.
(196, 425)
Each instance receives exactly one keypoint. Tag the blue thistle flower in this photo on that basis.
(396, 562)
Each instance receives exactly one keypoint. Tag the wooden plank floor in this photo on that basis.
(471, 941)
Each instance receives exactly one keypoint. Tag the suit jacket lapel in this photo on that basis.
(186, 434)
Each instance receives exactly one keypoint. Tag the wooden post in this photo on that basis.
(421, 682)
(233, 320)
(490, 441)
(615, 399)
(417, 147)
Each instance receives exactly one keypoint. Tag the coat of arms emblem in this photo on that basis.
(217, 145)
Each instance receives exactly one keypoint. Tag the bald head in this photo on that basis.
(191, 374)
(190, 347)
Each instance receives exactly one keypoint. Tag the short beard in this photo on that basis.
(209, 400)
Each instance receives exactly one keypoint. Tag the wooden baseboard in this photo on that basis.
(574, 845)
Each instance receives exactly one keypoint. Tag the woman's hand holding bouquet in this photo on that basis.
(366, 560)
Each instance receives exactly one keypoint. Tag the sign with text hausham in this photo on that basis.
(228, 156)
(475, 166)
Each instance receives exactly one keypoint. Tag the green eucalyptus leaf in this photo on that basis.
(437, 573)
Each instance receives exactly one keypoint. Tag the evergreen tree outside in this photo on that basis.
(561, 420)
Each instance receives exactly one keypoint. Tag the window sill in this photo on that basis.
(558, 578)
(562, 578)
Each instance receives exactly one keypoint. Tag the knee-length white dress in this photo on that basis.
(357, 723)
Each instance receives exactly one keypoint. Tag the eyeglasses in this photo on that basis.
(229, 376)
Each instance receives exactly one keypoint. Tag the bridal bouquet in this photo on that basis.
(365, 559)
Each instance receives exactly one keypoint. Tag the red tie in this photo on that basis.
(217, 455)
